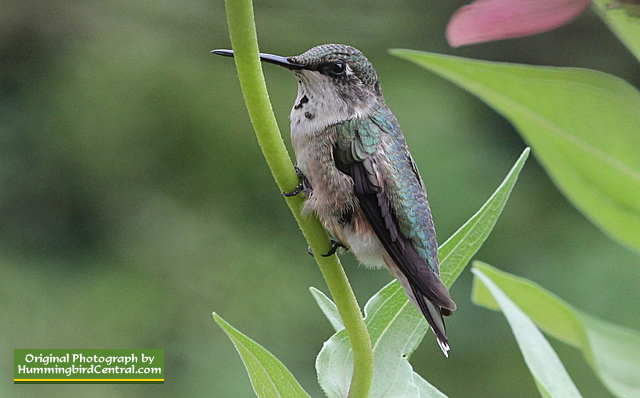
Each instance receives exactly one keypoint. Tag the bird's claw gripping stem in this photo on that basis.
(335, 245)
(304, 184)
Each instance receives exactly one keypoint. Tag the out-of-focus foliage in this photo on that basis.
(612, 351)
(582, 124)
(134, 200)
(622, 18)
(547, 370)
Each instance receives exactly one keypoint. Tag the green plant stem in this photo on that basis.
(245, 46)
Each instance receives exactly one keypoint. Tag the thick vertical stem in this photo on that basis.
(245, 45)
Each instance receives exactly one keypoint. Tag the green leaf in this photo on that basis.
(624, 20)
(426, 389)
(328, 308)
(395, 326)
(583, 126)
(334, 365)
(611, 350)
(550, 376)
(269, 377)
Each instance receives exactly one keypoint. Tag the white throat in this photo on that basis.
(319, 105)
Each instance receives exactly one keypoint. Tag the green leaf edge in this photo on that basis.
(575, 328)
(549, 374)
(283, 384)
(620, 23)
(328, 308)
(610, 215)
(449, 272)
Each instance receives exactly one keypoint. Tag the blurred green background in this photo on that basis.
(134, 200)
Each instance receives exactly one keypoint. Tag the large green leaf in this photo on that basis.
(584, 127)
(550, 376)
(269, 377)
(611, 350)
(624, 20)
(396, 327)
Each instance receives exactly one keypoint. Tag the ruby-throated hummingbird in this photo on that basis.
(358, 176)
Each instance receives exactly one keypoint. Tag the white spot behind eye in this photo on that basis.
(349, 71)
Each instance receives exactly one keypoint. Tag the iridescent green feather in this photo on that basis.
(360, 139)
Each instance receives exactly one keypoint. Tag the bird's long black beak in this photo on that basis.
(272, 59)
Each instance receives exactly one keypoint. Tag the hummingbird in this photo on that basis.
(358, 176)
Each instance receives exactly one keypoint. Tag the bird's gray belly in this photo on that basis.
(332, 199)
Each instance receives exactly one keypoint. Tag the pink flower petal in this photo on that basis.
(486, 20)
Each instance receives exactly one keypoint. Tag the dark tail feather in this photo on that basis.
(433, 314)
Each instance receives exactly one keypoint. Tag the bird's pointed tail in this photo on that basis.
(433, 314)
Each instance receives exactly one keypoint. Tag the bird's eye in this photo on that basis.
(337, 68)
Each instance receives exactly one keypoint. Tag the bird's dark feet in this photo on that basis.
(303, 186)
(335, 244)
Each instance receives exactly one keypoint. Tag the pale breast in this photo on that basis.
(332, 191)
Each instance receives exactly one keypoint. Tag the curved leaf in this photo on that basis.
(623, 18)
(269, 377)
(426, 389)
(328, 308)
(549, 374)
(583, 126)
(611, 350)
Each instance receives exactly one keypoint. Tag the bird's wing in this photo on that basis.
(355, 153)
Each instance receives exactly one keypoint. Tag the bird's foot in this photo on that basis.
(335, 245)
(303, 186)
